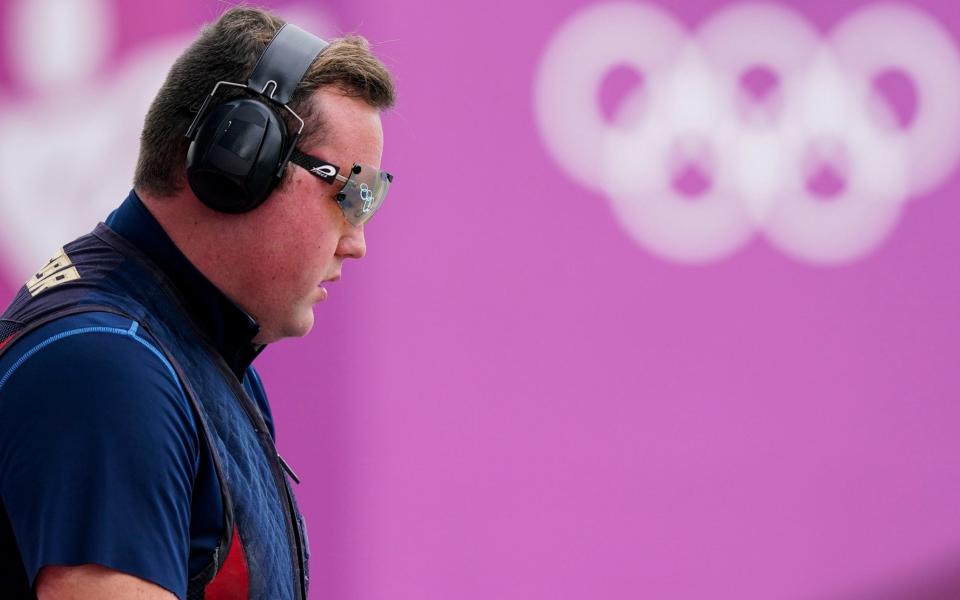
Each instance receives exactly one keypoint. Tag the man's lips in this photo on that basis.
(323, 290)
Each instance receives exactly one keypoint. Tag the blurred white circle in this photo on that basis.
(56, 43)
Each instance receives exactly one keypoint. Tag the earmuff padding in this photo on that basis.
(233, 162)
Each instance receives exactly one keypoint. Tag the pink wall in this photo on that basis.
(517, 394)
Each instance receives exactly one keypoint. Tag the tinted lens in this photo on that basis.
(363, 193)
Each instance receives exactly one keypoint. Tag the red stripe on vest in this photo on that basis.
(232, 581)
(4, 342)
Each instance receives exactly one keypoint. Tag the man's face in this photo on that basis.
(303, 235)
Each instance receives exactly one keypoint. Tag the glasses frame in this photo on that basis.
(332, 174)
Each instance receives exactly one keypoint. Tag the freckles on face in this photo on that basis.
(295, 235)
(305, 234)
(315, 224)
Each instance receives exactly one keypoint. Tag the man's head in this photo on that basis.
(272, 259)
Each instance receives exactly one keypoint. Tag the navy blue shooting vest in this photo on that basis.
(262, 553)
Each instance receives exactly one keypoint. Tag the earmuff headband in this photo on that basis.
(284, 63)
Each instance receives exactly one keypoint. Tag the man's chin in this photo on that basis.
(304, 325)
(301, 327)
(293, 328)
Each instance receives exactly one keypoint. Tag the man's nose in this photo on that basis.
(353, 244)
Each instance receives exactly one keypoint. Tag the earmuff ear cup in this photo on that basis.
(234, 159)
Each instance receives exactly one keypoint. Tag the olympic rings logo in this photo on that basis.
(754, 158)
(366, 194)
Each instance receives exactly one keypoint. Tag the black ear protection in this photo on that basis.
(240, 148)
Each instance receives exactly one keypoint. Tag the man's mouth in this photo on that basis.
(323, 290)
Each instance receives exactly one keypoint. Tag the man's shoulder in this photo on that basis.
(102, 360)
(88, 337)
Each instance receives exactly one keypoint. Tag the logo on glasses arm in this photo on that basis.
(327, 172)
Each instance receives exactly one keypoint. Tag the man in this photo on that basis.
(136, 443)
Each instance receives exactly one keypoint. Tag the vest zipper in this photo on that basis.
(288, 469)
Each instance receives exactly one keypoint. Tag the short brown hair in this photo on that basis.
(228, 50)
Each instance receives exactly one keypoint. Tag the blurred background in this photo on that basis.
(663, 303)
